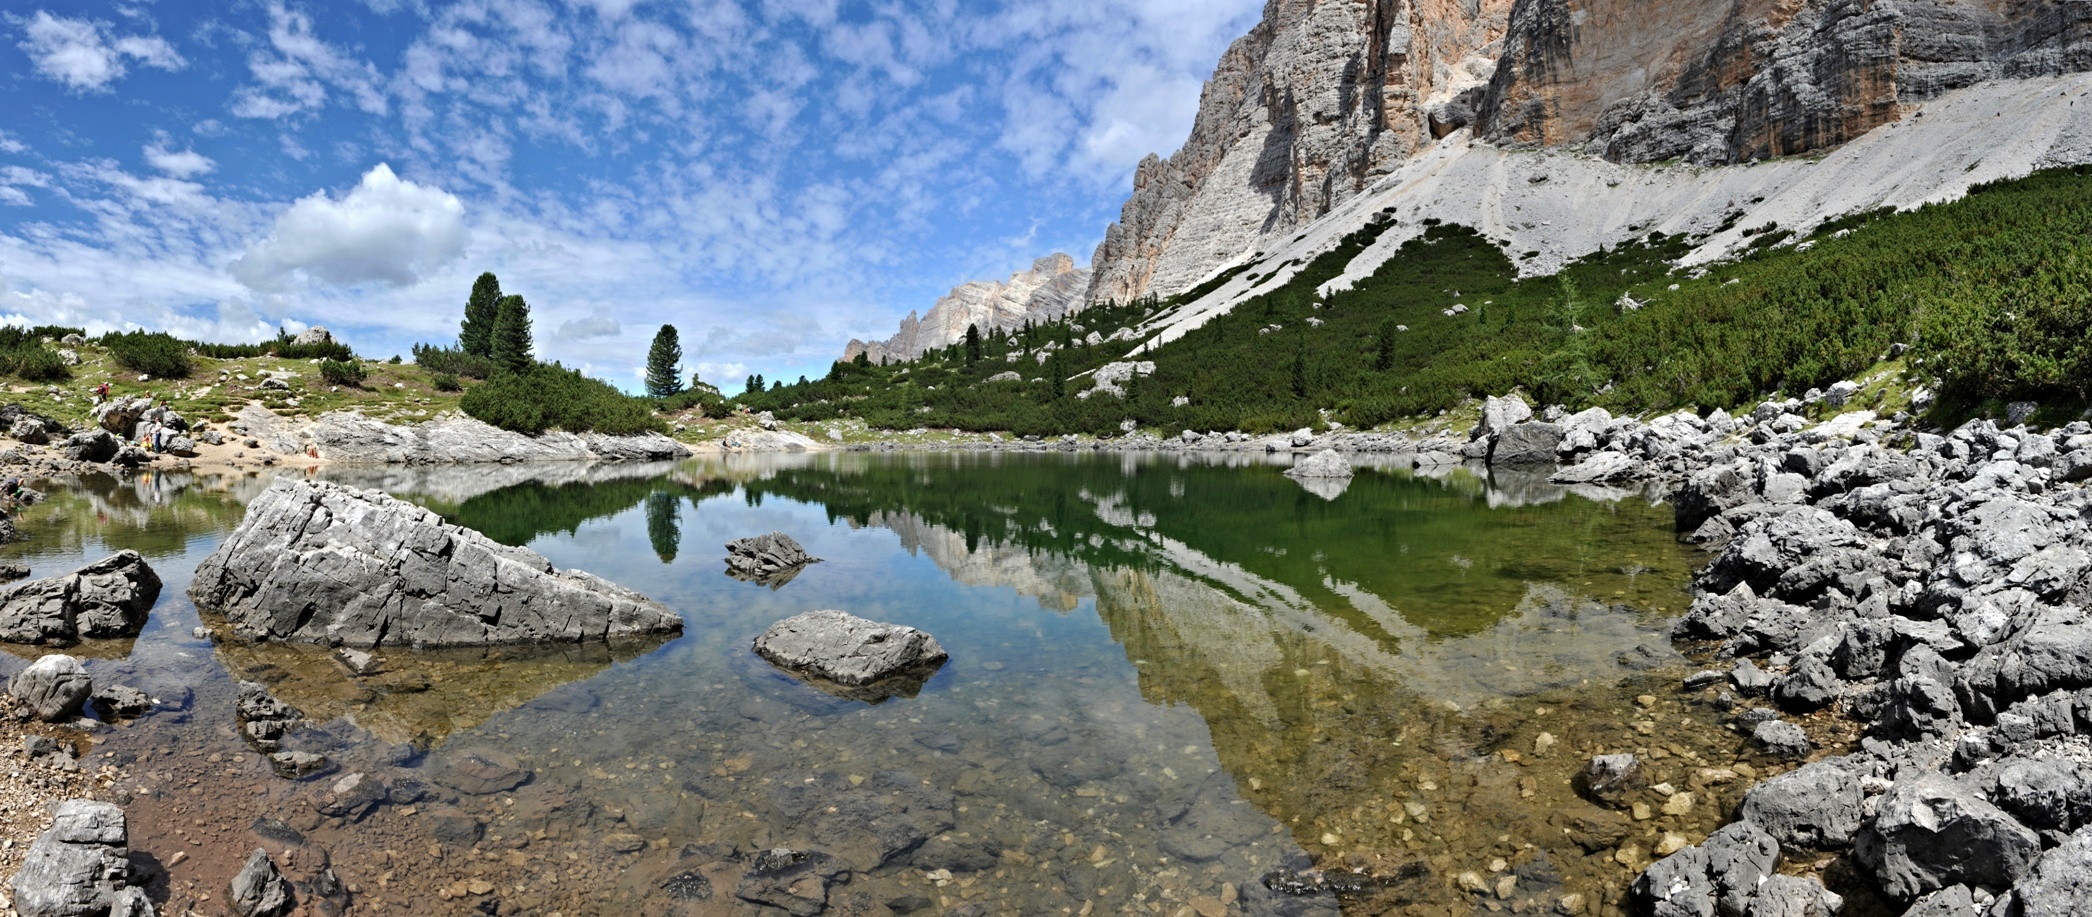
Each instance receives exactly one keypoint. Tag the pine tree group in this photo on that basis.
(664, 364)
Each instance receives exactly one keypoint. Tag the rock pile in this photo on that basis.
(1933, 587)
(324, 563)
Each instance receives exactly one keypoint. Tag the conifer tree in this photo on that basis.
(476, 333)
(973, 344)
(664, 364)
(1384, 346)
(512, 347)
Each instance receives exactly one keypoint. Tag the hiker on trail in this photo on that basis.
(101, 393)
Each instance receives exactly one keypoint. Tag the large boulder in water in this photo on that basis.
(1328, 463)
(108, 598)
(324, 563)
(846, 649)
(81, 865)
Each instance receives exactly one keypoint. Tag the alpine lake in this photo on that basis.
(1178, 685)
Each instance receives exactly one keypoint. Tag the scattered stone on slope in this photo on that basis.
(324, 563)
(108, 598)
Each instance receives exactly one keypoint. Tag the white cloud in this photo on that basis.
(294, 75)
(180, 164)
(8, 144)
(385, 231)
(593, 326)
(85, 55)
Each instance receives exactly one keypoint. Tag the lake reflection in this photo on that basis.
(1172, 679)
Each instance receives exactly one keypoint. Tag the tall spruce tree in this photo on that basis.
(512, 347)
(1384, 345)
(973, 344)
(476, 333)
(664, 364)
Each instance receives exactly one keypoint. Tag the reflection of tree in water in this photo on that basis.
(663, 525)
(517, 515)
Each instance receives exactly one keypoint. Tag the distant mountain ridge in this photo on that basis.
(1052, 288)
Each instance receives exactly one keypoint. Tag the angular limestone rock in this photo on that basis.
(771, 559)
(259, 890)
(108, 598)
(1328, 463)
(846, 649)
(323, 563)
(80, 866)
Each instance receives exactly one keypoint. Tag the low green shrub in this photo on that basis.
(546, 397)
(452, 360)
(343, 372)
(39, 364)
(159, 355)
(446, 382)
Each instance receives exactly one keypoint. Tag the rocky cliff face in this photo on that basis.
(1320, 98)
(1324, 97)
(1052, 288)
(1731, 81)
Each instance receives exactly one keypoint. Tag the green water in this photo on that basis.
(1170, 678)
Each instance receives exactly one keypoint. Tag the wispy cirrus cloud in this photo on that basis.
(774, 176)
(87, 55)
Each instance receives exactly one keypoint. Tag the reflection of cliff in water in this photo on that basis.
(423, 696)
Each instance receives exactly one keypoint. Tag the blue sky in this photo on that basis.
(773, 177)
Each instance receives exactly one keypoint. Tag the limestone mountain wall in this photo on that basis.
(1324, 98)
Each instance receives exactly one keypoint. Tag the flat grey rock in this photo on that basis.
(108, 598)
(324, 563)
(846, 649)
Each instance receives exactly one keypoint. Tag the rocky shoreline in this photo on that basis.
(1924, 590)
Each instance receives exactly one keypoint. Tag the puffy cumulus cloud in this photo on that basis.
(384, 231)
(224, 321)
(178, 163)
(85, 55)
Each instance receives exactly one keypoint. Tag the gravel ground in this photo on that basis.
(29, 791)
